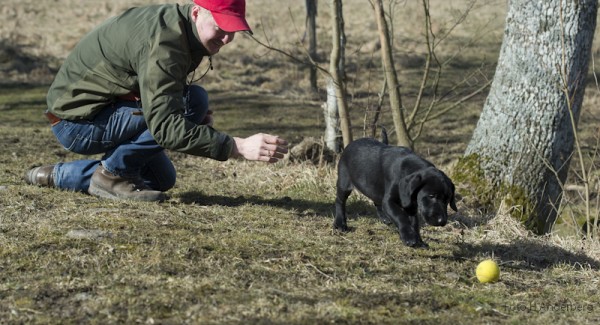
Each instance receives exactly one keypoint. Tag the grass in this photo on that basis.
(242, 242)
(249, 243)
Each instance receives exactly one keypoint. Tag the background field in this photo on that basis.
(242, 242)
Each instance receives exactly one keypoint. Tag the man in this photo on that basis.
(124, 92)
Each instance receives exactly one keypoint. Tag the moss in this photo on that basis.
(483, 193)
(520, 207)
(471, 183)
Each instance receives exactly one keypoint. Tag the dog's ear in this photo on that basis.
(453, 203)
(452, 192)
(408, 188)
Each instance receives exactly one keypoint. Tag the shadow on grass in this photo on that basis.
(527, 254)
(355, 209)
(471, 221)
(522, 253)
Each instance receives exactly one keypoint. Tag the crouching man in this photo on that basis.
(124, 92)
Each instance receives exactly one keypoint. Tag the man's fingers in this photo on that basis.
(273, 139)
(270, 156)
(275, 148)
(272, 153)
(261, 147)
(282, 149)
(268, 159)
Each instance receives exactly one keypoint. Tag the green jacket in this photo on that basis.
(150, 51)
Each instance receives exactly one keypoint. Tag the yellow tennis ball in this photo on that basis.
(487, 271)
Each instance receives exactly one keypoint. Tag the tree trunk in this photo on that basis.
(311, 28)
(336, 74)
(332, 120)
(403, 139)
(524, 137)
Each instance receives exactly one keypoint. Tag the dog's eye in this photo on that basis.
(432, 196)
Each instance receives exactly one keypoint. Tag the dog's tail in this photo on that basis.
(384, 138)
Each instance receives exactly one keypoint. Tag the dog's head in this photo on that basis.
(430, 191)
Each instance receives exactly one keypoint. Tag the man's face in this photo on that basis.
(211, 36)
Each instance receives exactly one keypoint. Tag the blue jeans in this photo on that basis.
(120, 132)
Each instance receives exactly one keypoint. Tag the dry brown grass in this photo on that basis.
(241, 242)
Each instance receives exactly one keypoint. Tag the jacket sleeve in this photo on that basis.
(162, 75)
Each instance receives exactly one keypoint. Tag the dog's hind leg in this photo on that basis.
(344, 188)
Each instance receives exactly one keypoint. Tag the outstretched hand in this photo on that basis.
(260, 147)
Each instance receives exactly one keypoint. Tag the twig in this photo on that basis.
(319, 271)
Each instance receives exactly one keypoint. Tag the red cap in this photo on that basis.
(228, 14)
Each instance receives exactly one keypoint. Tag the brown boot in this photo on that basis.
(41, 176)
(109, 186)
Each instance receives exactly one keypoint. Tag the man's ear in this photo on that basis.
(195, 12)
(408, 188)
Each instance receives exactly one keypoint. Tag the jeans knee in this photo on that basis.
(160, 174)
(167, 183)
(168, 177)
(197, 92)
(196, 103)
(163, 183)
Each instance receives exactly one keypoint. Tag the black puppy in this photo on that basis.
(401, 184)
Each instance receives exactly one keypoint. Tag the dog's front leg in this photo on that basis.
(405, 224)
(414, 223)
(382, 216)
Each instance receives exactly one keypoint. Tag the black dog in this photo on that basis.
(401, 184)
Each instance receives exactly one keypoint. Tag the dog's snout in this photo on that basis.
(441, 221)
(438, 221)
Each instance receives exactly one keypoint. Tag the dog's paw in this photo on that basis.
(385, 220)
(341, 227)
(421, 244)
(416, 243)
